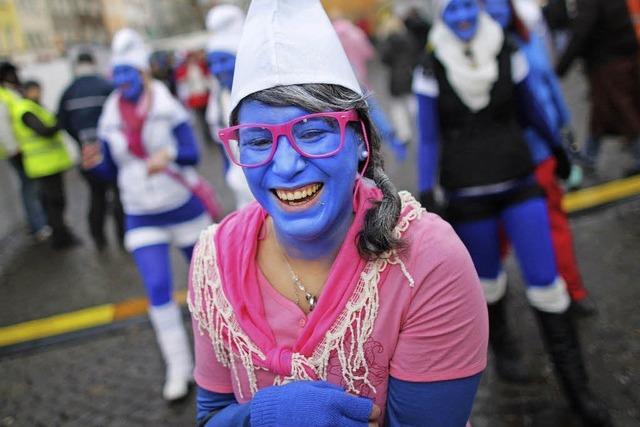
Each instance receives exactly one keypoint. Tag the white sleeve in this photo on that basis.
(519, 67)
(109, 121)
(425, 85)
(212, 116)
(8, 140)
(168, 106)
(179, 114)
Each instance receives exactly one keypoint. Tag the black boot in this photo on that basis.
(584, 307)
(509, 364)
(562, 343)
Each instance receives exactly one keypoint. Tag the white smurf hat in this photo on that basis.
(224, 22)
(288, 42)
(128, 48)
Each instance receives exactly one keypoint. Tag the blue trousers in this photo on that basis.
(154, 265)
(36, 217)
(527, 226)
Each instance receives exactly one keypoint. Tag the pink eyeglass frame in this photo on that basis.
(285, 129)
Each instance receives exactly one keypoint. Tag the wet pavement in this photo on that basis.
(113, 376)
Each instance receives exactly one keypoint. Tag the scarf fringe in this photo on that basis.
(351, 330)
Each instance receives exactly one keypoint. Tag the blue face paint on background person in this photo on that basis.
(461, 16)
(316, 228)
(129, 81)
(221, 65)
(499, 10)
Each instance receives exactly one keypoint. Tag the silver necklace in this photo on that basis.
(297, 285)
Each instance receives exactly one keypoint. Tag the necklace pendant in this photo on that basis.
(312, 301)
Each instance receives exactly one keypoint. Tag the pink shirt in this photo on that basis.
(436, 330)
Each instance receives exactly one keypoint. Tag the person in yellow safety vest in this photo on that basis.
(45, 159)
(9, 150)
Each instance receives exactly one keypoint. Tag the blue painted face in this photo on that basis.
(315, 226)
(500, 11)
(461, 16)
(221, 65)
(128, 80)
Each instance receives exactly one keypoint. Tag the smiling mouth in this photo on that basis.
(298, 196)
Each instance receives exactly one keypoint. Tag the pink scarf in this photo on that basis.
(236, 246)
(133, 116)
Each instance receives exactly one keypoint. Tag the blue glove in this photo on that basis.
(310, 403)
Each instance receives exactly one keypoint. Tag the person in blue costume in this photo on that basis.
(475, 94)
(302, 131)
(550, 160)
(148, 145)
(224, 22)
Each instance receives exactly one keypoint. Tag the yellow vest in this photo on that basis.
(9, 99)
(41, 156)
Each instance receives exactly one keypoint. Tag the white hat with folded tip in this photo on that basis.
(287, 42)
(224, 22)
(128, 48)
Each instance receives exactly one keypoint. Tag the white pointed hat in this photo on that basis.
(128, 48)
(224, 22)
(288, 42)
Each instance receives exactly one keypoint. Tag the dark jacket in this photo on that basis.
(483, 147)
(400, 53)
(601, 31)
(81, 105)
(418, 28)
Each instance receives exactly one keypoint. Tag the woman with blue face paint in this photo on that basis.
(224, 22)
(333, 299)
(147, 144)
(474, 91)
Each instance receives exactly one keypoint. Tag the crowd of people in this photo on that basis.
(325, 278)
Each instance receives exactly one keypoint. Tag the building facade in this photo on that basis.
(77, 22)
(172, 17)
(11, 37)
(61, 26)
(36, 26)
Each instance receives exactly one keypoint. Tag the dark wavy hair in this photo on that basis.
(376, 237)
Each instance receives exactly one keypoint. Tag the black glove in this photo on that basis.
(16, 160)
(568, 139)
(563, 164)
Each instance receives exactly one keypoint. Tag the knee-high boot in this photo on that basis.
(561, 340)
(506, 352)
(174, 345)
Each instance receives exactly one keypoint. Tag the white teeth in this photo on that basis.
(298, 194)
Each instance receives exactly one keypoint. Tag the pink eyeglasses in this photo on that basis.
(314, 136)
